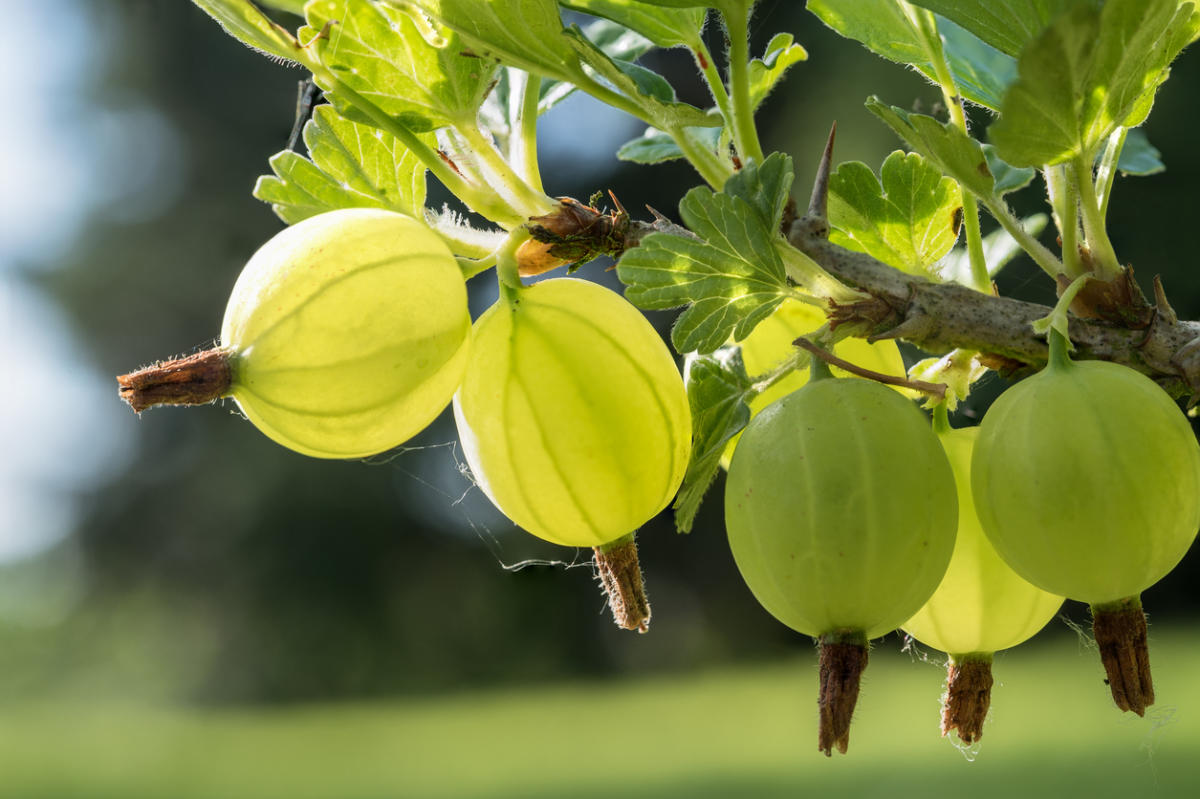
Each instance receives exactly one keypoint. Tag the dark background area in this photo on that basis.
(210, 565)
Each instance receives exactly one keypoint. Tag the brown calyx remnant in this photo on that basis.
(572, 233)
(968, 695)
(621, 575)
(842, 658)
(1120, 630)
(194, 380)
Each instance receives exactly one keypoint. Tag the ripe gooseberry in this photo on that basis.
(1086, 478)
(840, 508)
(345, 335)
(572, 413)
(981, 605)
(770, 343)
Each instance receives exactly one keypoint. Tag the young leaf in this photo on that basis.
(665, 27)
(1007, 25)
(719, 391)
(955, 153)
(381, 53)
(352, 166)
(1089, 73)
(619, 42)
(765, 187)
(242, 20)
(907, 218)
(655, 146)
(980, 71)
(999, 248)
(731, 276)
(765, 72)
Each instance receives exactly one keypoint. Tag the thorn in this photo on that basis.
(1165, 311)
(617, 204)
(657, 216)
(819, 204)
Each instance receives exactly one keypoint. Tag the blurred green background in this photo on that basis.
(188, 610)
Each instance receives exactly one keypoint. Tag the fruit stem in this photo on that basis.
(968, 695)
(842, 659)
(621, 575)
(1059, 357)
(195, 380)
(1120, 630)
(941, 419)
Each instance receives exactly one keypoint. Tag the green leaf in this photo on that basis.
(732, 276)
(719, 391)
(384, 55)
(1007, 25)
(523, 33)
(765, 187)
(655, 146)
(665, 27)
(955, 153)
(619, 42)
(643, 86)
(765, 72)
(908, 217)
(999, 248)
(1089, 73)
(291, 6)
(1139, 156)
(1008, 177)
(243, 21)
(352, 166)
(980, 72)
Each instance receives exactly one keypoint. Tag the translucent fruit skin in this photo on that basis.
(1086, 478)
(981, 605)
(771, 343)
(572, 414)
(841, 508)
(351, 333)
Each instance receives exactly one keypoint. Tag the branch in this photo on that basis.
(939, 317)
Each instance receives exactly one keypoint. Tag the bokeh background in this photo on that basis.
(187, 609)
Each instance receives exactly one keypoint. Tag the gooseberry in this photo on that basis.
(572, 414)
(345, 335)
(1086, 478)
(840, 507)
(770, 343)
(981, 605)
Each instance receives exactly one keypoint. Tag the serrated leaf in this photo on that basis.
(765, 72)
(384, 55)
(665, 27)
(719, 391)
(619, 42)
(955, 153)
(732, 276)
(1007, 25)
(980, 71)
(1090, 72)
(1007, 177)
(522, 33)
(352, 166)
(655, 146)
(641, 85)
(765, 187)
(999, 248)
(1139, 156)
(908, 217)
(243, 21)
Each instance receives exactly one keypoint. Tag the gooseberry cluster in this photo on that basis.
(849, 513)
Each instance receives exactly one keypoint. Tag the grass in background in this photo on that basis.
(749, 732)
